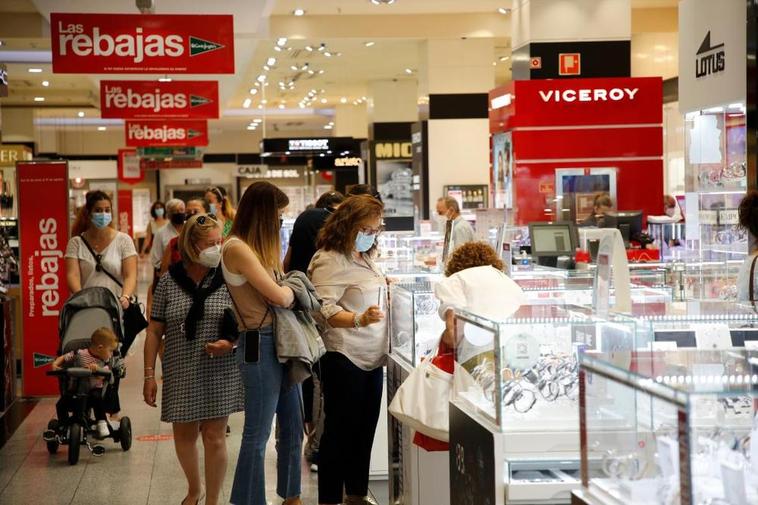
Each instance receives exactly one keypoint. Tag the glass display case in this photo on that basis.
(407, 254)
(697, 324)
(669, 427)
(516, 384)
(716, 168)
(415, 325)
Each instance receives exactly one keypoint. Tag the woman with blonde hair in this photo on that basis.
(221, 206)
(251, 264)
(201, 382)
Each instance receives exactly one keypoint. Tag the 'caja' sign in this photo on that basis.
(167, 133)
(139, 43)
(155, 99)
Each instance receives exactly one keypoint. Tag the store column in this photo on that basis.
(577, 38)
(454, 78)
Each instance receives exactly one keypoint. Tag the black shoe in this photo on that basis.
(49, 436)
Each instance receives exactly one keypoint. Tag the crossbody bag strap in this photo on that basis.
(239, 313)
(99, 263)
(752, 278)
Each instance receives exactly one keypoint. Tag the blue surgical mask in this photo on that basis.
(213, 208)
(159, 212)
(101, 219)
(363, 242)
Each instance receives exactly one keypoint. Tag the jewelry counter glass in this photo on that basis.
(515, 404)
(415, 325)
(683, 422)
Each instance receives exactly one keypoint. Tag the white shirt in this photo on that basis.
(485, 291)
(160, 242)
(462, 233)
(345, 284)
(120, 248)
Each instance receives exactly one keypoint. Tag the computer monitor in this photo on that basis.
(553, 239)
(629, 223)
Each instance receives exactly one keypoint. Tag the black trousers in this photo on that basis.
(66, 404)
(352, 400)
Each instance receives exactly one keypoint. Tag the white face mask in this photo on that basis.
(210, 257)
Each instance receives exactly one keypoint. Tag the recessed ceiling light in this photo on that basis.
(328, 127)
(281, 41)
(323, 100)
(369, 43)
(247, 103)
(257, 120)
(380, 2)
(408, 71)
(266, 68)
(281, 105)
(494, 63)
(271, 61)
(251, 127)
(505, 58)
(321, 72)
(101, 128)
(327, 54)
(298, 12)
(293, 67)
(1, 42)
(46, 83)
(39, 98)
(35, 70)
(264, 102)
(80, 113)
(343, 100)
(277, 48)
(261, 78)
(164, 79)
(253, 91)
(504, 10)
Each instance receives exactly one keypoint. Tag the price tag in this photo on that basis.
(708, 217)
(713, 336)
(729, 216)
(751, 345)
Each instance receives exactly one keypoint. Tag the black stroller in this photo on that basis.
(83, 313)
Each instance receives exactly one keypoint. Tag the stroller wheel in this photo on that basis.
(125, 433)
(52, 445)
(74, 442)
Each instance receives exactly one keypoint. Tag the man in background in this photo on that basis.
(461, 231)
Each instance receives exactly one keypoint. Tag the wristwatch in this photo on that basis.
(357, 321)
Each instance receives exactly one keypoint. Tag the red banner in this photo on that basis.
(155, 99)
(167, 133)
(125, 214)
(129, 170)
(43, 273)
(142, 43)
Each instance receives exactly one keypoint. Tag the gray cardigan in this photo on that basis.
(298, 341)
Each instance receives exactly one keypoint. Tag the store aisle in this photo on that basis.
(148, 474)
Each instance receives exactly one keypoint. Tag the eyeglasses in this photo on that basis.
(372, 231)
(204, 218)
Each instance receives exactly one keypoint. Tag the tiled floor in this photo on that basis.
(148, 474)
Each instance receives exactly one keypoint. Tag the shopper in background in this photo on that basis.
(175, 213)
(158, 221)
(672, 209)
(353, 290)
(600, 206)
(364, 189)
(201, 383)
(301, 249)
(172, 254)
(449, 211)
(113, 251)
(747, 279)
(251, 263)
(221, 206)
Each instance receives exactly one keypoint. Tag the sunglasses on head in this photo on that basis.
(204, 218)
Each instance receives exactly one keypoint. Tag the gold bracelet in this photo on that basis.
(150, 377)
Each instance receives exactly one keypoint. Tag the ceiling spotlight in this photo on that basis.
(494, 63)
(35, 70)
(277, 48)
(281, 105)
(293, 67)
(504, 10)
(281, 41)
(258, 120)
(369, 44)
(80, 113)
(323, 100)
(343, 100)
(39, 98)
(101, 128)
(408, 71)
(311, 72)
(164, 79)
(247, 103)
(261, 78)
(46, 83)
(328, 127)
(266, 68)
(271, 61)
(321, 72)
(252, 127)
(264, 102)
(380, 2)
(308, 48)
(327, 54)
(298, 12)
(322, 47)
(505, 58)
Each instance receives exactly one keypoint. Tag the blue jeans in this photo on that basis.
(265, 395)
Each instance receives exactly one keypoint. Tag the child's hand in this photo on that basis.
(219, 348)
(93, 367)
(56, 366)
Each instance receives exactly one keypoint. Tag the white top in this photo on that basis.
(160, 242)
(485, 291)
(120, 248)
(155, 227)
(462, 232)
(743, 279)
(345, 284)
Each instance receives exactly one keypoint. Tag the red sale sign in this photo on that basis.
(155, 99)
(167, 133)
(43, 273)
(125, 217)
(142, 43)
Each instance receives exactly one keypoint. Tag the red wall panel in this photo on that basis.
(587, 143)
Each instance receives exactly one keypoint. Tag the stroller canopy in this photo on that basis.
(94, 297)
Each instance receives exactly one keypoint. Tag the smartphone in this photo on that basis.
(381, 301)
(252, 346)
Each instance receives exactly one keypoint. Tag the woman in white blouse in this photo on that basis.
(353, 290)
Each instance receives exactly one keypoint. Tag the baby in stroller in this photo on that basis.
(95, 357)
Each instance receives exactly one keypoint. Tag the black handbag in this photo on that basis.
(133, 316)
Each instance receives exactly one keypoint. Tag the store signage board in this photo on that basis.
(712, 54)
(393, 150)
(348, 162)
(140, 43)
(169, 164)
(578, 102)
(129, 166)
(145, 133)
(10, 154)
(125, 222)
(42, 270)
(159, 100)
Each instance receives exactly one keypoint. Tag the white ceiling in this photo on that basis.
(364, 7)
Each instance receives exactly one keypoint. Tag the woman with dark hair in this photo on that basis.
(201, 383)
(251, 263)
(98, 255)
(747, 288)
(158, 221)
(221, 206)
(353, 291)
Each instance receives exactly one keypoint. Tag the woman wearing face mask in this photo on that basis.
(175, 214)
(172, 254)
(221, 207)
(251, 262)
(94, 236)
(353, 291)
(201, 383)
(158, 214)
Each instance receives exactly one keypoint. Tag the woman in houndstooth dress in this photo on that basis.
(201, 381)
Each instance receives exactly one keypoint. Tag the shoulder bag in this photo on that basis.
(133, 317)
